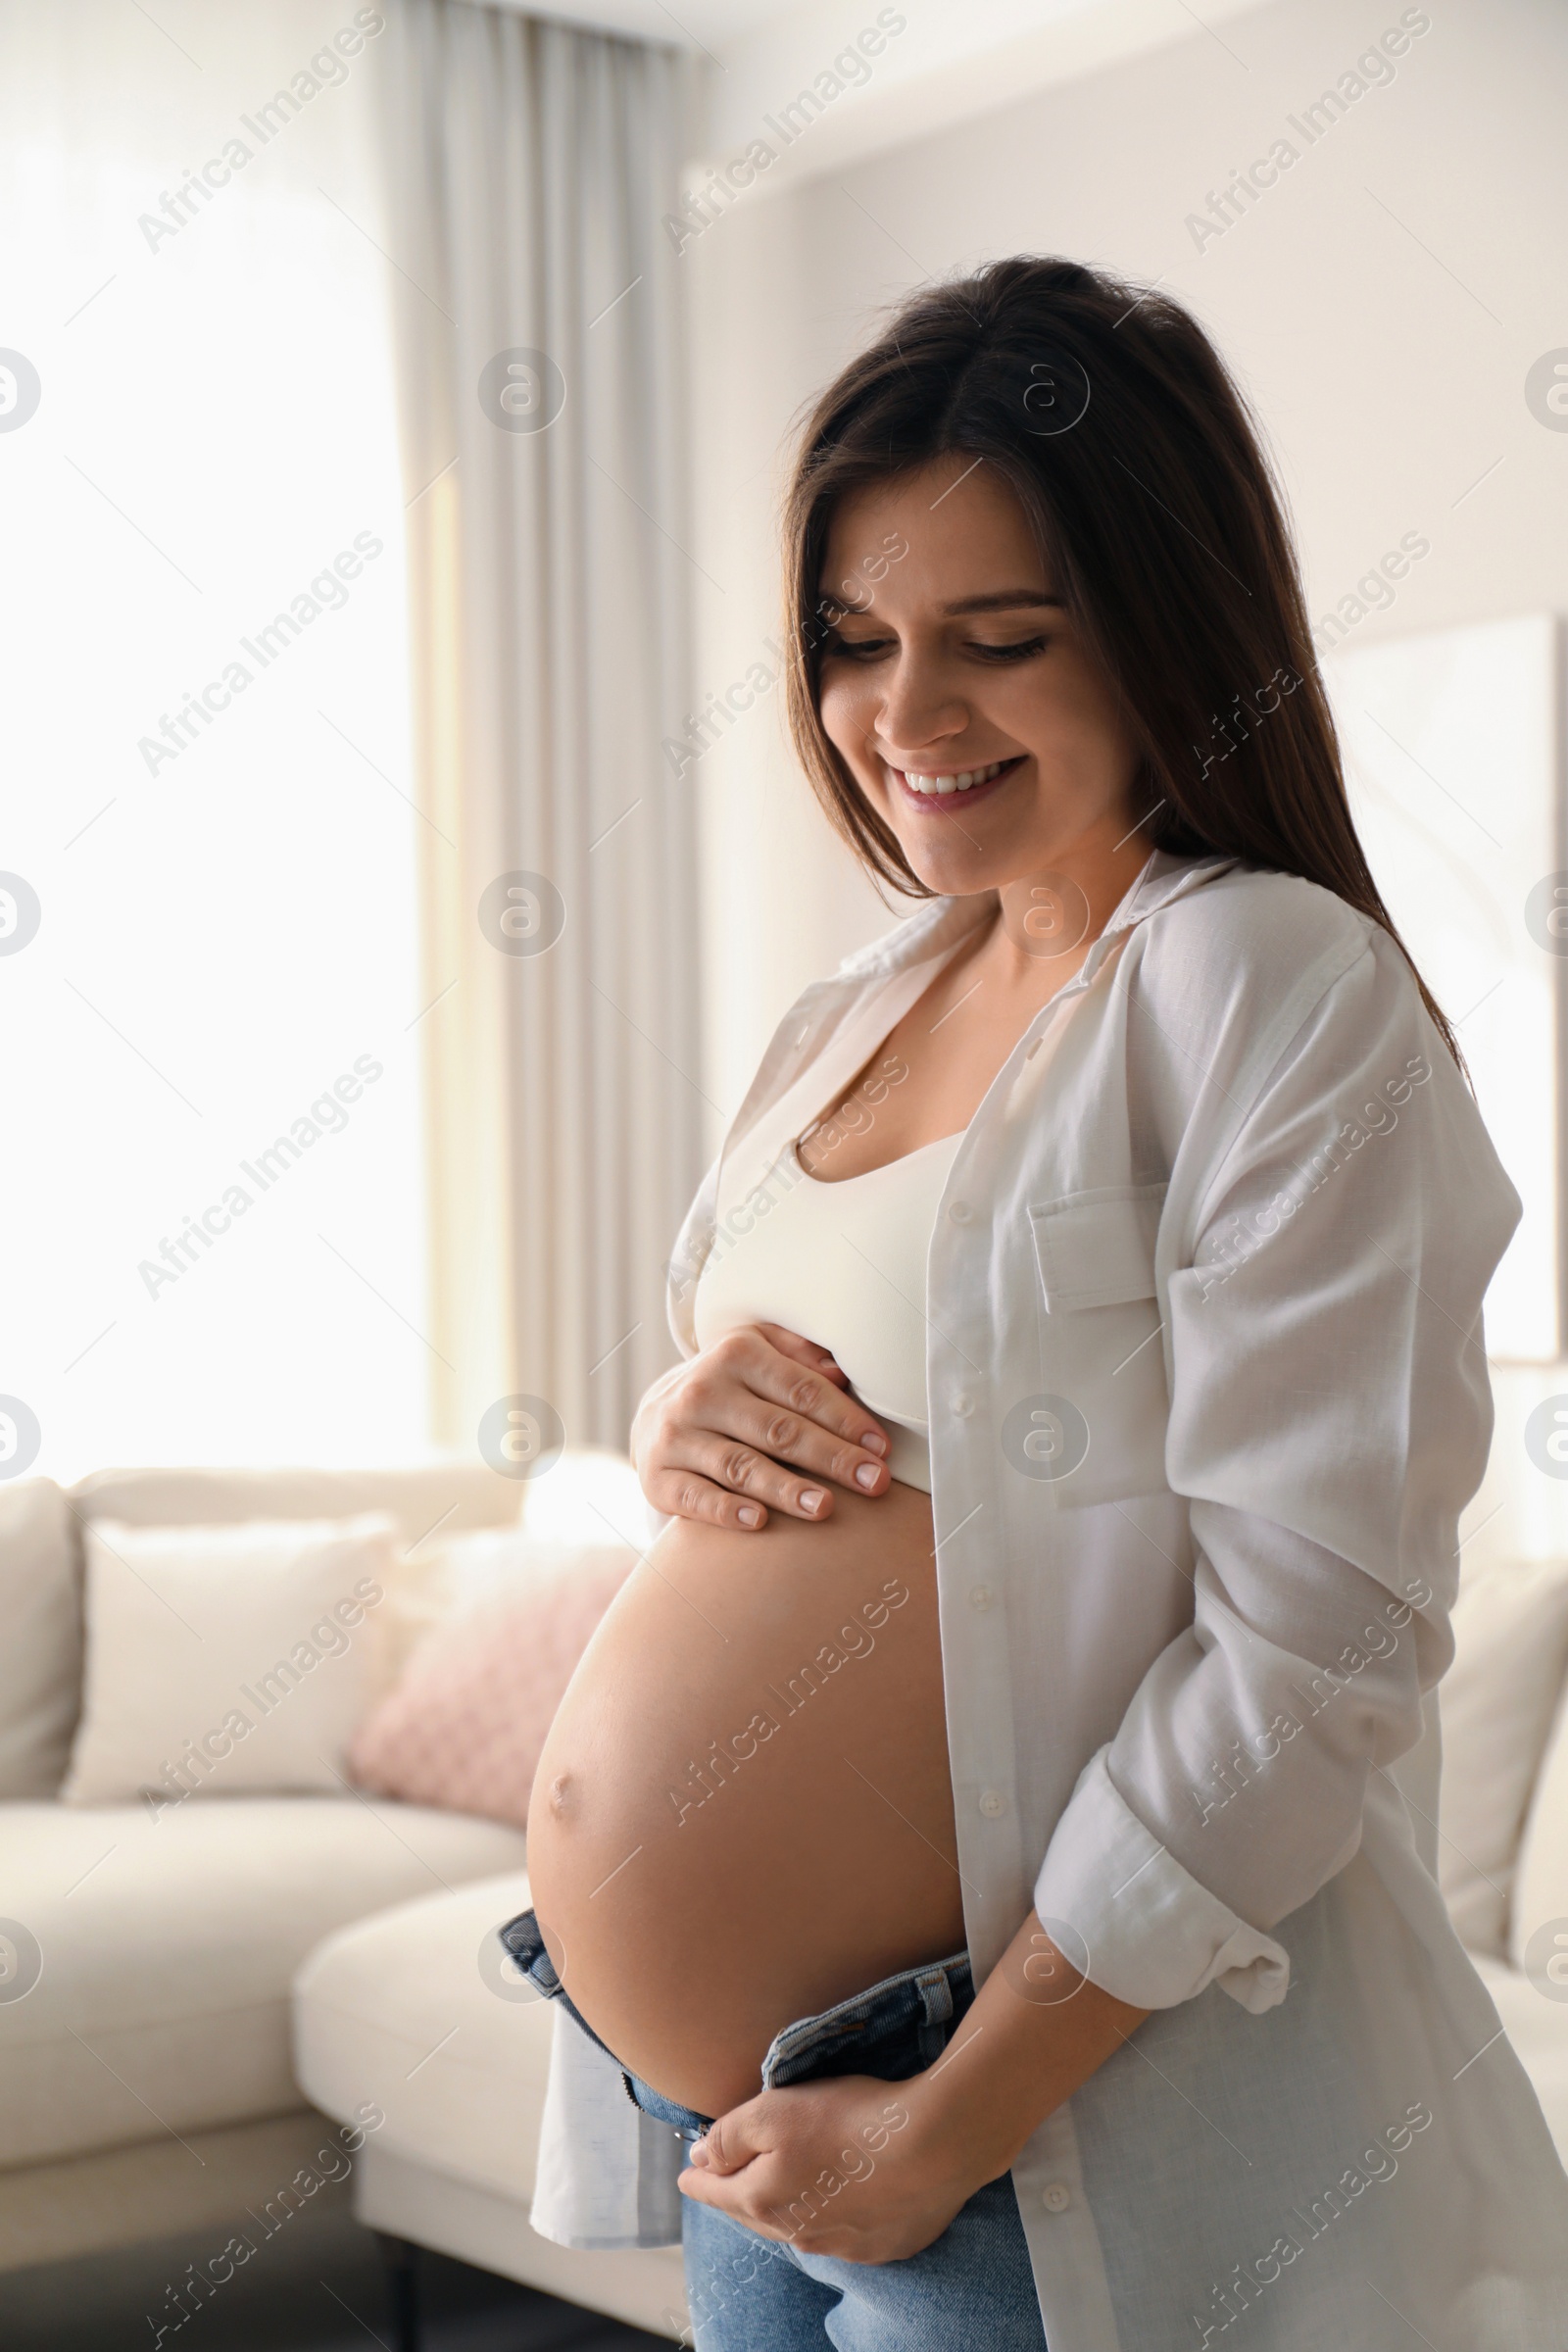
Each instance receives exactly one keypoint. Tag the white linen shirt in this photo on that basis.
(1208, 1395)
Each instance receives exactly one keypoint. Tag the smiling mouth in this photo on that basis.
(950, 787)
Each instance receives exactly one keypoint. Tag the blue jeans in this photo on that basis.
(974, 2287)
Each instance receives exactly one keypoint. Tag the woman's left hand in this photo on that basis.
(849, 2166)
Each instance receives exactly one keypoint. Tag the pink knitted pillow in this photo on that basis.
(465, 1725)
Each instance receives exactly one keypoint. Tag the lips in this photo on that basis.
(948, 791)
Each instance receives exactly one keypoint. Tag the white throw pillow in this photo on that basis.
(1539, 1939)
(1497, 1700)
(226, 1660)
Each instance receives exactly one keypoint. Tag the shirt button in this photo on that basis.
(1057, 2198)
(981, 1598)
(959, 1211)
(962, 1404)
(991, 1804)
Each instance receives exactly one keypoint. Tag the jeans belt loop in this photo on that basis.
(936, 1996)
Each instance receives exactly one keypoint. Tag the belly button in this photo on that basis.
(560, 1792)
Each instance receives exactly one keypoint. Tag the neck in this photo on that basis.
(1057, 911)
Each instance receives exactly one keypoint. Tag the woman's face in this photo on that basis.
(952, 658)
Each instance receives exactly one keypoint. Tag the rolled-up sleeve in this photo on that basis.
(1330, 1415)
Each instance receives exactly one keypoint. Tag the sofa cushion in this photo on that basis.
(418, 2010)
(1510, 1630)
(226, 1660)
(40, 1637)
(166, 1948)
(480, 1565)
(468, 1722)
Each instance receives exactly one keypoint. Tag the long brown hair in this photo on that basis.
(1142, 473)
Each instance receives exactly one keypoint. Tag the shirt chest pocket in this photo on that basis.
(1099, 1433)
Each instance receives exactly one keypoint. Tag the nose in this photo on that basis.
(917, 712)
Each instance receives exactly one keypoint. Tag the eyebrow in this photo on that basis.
(997, 600)
(1000, 600)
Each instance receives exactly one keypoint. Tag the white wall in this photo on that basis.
(1382, 305)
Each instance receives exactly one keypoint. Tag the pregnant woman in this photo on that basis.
(983, 1863)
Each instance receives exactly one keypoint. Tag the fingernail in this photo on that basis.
(811, 1498)
(749, 1515)
(867, 1475)
(876, 1443)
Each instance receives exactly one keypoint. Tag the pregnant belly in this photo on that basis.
(744, 1811)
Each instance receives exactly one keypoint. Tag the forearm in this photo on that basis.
(1037, 2031)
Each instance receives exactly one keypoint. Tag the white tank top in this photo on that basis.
(844, 1264)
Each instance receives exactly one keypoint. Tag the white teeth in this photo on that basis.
(957, 781)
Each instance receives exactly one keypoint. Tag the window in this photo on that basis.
(212, 1178)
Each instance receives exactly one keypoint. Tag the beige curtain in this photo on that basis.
(540, 350)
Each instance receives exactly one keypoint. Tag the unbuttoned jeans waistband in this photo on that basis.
(891, 2031)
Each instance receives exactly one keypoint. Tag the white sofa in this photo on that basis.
(145, 2078)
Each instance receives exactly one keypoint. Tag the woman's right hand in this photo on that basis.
(726, 1436)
